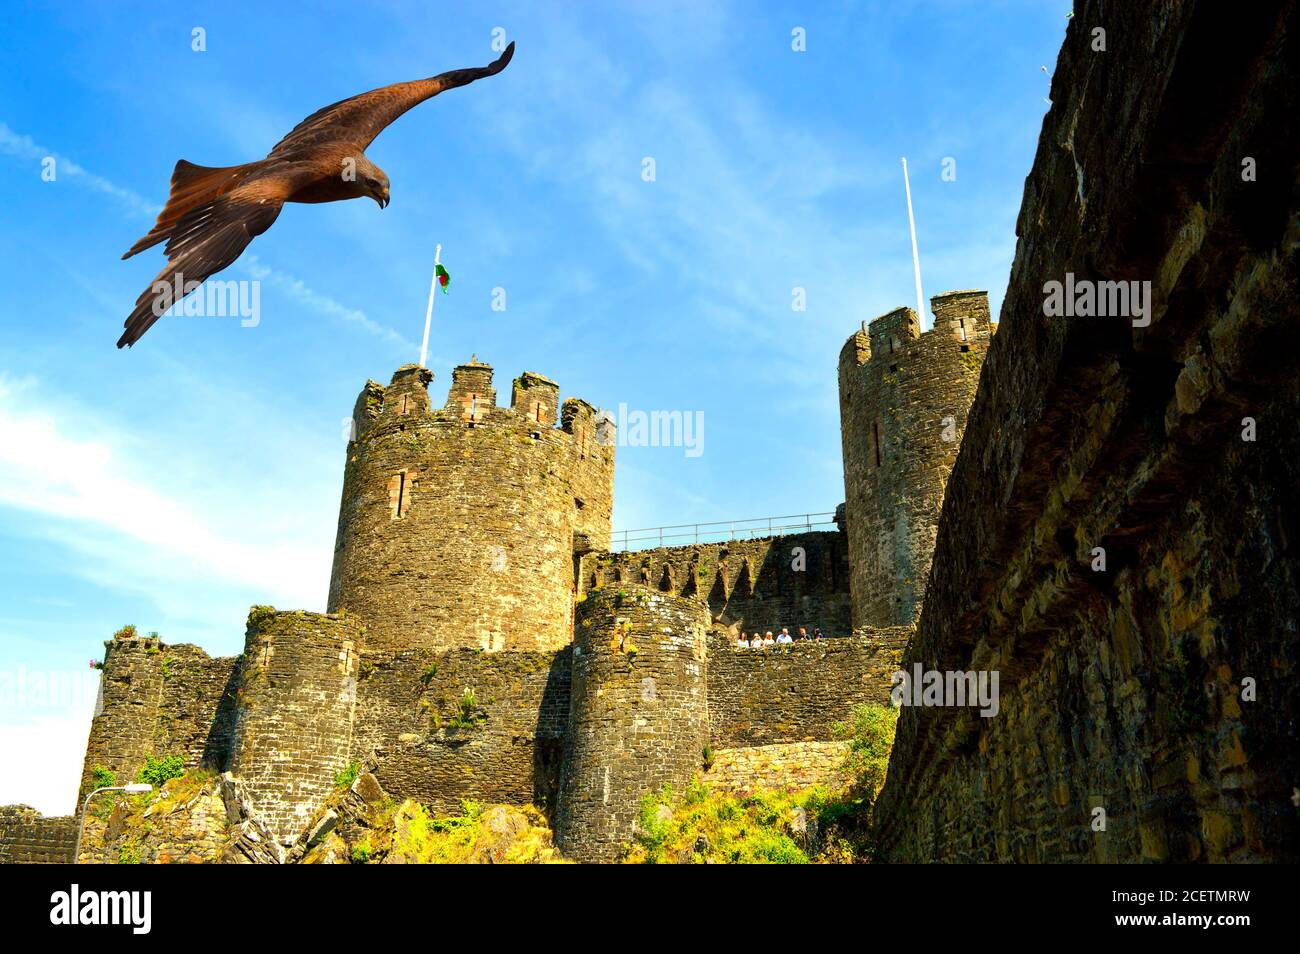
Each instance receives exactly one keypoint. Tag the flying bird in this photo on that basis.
(213, 213)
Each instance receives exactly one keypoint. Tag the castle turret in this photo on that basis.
(904, 396)
(122, 733)
(461, 526)
(296, 703)
(639, 716)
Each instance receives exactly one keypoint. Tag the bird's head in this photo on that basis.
(377, 189)
(373, 182)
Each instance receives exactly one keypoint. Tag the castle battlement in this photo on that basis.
(459, 526)
(960, 316)
(472, 401)
(904, 395)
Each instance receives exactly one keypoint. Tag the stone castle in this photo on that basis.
(483, 642)
(1102, 510)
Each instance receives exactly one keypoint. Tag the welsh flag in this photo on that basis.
(444, 279)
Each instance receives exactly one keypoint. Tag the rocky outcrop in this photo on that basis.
(195, 819)
(362, 825)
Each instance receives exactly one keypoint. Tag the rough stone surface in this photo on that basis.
(789, 765)
(1122, 688)
(27, 837)
(904, 395)
(798, 692)
(158, 700)
(204, 820)
(799, 579)
(505, 748)
(639, 716)
(296, 702)
(460, 527)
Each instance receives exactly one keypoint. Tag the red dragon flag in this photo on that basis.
(441, 279)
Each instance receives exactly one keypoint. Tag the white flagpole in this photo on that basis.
(916, 261)
(428, 312)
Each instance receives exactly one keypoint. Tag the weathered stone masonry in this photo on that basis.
(505, 748)
(798, 692)
(296, 701)
(459, 527)
(799, 579)
(903, 402)
(157, 699)
(28, 837)
(1123, 689)
(639, 714)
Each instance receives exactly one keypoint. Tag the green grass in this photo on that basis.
(763, 826)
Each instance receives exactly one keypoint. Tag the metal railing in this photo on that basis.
(719, 531)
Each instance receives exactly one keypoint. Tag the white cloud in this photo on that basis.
(86, 482)
(24, 147)
(43, 759)
(298, 290)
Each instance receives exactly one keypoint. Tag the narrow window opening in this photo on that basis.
(875, 434)
(962, 323)
(398, 495)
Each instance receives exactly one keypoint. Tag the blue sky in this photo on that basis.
(173, 485)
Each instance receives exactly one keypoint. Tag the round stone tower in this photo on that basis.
(903, 402)
(638, 716)
(461, 526)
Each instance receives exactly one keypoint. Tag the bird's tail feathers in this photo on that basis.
(192, 186)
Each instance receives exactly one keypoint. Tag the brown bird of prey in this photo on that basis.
(213, 213)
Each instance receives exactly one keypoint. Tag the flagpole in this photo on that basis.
(428, 312)
(916, 261)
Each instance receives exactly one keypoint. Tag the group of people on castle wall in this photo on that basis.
(765, 640)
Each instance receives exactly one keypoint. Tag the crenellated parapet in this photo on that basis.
(460, 525)
(904, 395)
(791, 580)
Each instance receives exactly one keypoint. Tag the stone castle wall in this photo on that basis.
(799, 579)
(429, 745)
(798, 692)
(639, 716)
(158, 700)
(782, 765)
(467, 535)
(1125, 689)
(307, 699)
(29, 838)
(458, 527)
(124, 728)
(296, 700)
(903, 402)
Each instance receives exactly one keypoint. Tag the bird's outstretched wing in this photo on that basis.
(359, 119)
(204, 241)
(192, 186)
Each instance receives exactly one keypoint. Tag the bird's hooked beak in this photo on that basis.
(382, 198)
